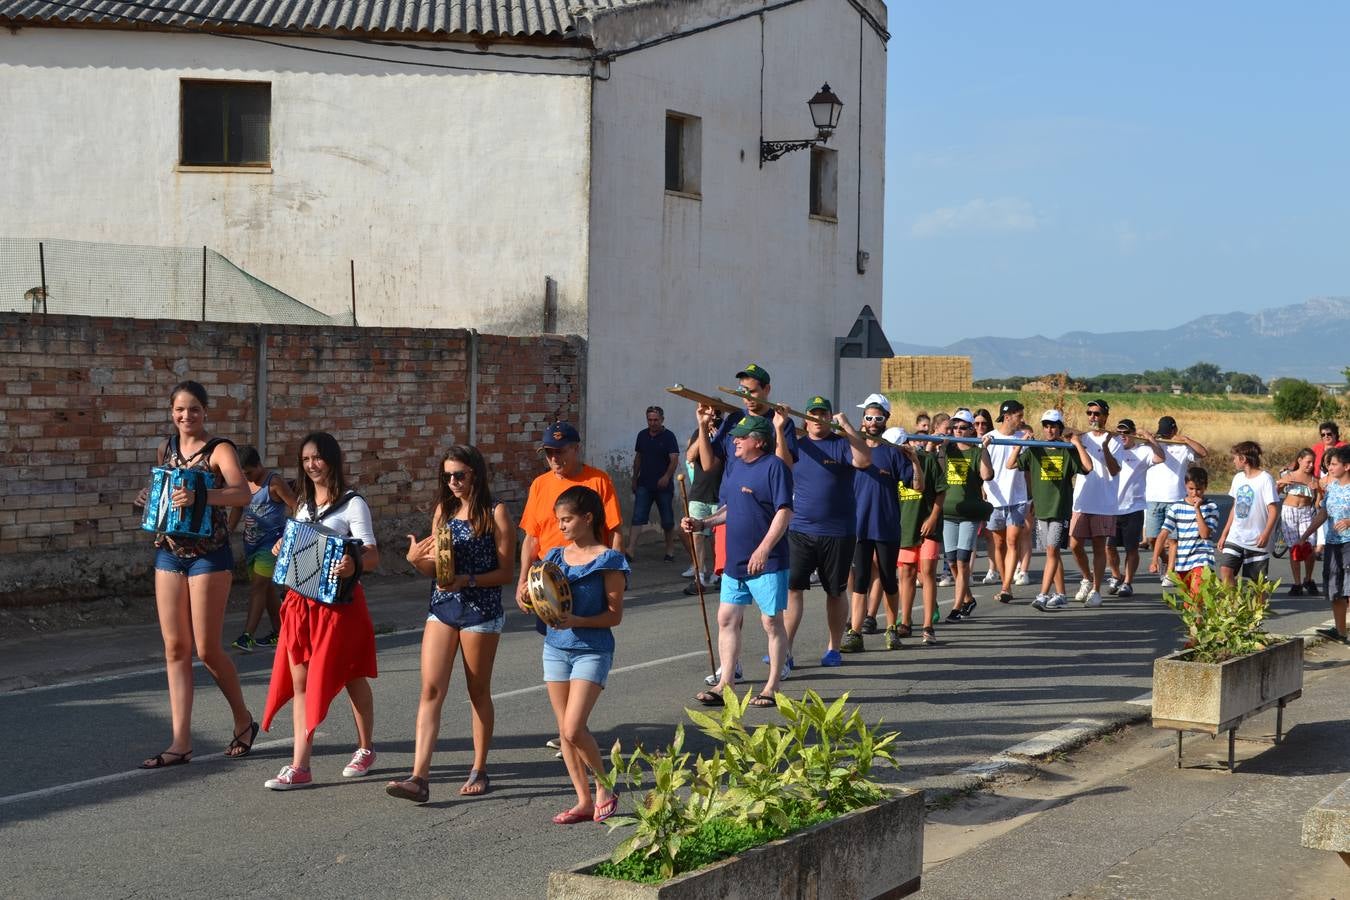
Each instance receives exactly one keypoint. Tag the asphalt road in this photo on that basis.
(76, 818)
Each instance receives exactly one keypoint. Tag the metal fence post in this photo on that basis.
(353, 262)
(42, 269)
(203, 282)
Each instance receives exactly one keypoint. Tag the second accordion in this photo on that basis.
(162, 517)
(308, 561)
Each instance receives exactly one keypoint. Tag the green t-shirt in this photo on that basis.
(965, 497)
(917, 506)
(1052, 471)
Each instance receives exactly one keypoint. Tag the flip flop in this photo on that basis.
(476, 776)
(159, 762)
(763, 701)
(605, 810)
(571, 817)
(708, 698)
(238, 749)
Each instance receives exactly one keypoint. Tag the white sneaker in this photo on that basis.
(713, 680)
(946, 581)
(1083, 590)
(787, 670)
(710, 580)
(687, 573)
(1055, 603)
(1020, 577)
(1039, 602)
(1094, 599)
(991, 577)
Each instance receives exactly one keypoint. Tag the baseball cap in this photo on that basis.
(1167, 426)
(1106, 407)
(815, 402)
(559, 434)
(1009, 406)
(749, 425)
(1052, 415)
(1125, 426)
(895, 434)
(876, 400)
(755, 371)
(964, 415)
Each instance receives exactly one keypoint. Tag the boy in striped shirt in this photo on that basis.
(1188, 532)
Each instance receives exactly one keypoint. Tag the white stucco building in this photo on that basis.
(465, 154)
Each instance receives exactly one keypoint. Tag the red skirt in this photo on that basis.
(336, 643)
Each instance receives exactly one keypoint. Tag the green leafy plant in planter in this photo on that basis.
(758, 785)
(1222, 621)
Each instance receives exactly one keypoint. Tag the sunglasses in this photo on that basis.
(962, 426)
(1095, 412)
(457, 475)
(874, 418)
(1328, 434)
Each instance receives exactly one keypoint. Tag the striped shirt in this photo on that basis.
(1181, 526)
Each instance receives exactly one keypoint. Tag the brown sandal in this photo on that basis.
(477, 778)
(411, 788)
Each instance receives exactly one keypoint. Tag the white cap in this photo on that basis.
(876, 400)
(1052, 415)
(963, 415)
(894, 434)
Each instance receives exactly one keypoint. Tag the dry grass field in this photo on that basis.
(1217, 422)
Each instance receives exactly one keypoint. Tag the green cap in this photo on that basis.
(752, 425)
(818, 402)
(755, 371)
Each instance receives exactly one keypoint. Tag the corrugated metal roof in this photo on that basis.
(516, 18)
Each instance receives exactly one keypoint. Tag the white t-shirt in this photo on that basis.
(1134, 465)
(1095, 492)
(1251, 500)
(1166, 482)
(1009, 486)
(353, 519)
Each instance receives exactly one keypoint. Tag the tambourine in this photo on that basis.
(550, 594)
(445, 558)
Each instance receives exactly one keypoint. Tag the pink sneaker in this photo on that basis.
(289, 779)
(360, 765)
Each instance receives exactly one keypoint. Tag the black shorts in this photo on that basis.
(887, 553)
(1335, 560)
(828, 556)
(1247, 562)
(1129, 530)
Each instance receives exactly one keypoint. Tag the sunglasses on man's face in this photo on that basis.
(874, 418)
(1095, 413)
(1328, 434)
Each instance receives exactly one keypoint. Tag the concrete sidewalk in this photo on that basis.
(1117, 819)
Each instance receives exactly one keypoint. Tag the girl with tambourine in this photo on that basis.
(466, 614)
(579, 650)
(323, 648)
(193, 577)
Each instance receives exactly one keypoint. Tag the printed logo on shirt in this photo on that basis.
(908, 494)
(958, 468)
(746, 490)
(1052, 467)
(1242, 506)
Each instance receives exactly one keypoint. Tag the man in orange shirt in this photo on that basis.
(561, 445)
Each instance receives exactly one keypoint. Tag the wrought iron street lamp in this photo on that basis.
(825, 108)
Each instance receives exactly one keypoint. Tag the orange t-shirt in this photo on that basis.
(538, 519)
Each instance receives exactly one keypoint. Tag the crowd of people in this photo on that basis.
(868, 512)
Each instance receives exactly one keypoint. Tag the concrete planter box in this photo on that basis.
(1214, 697)
(875, 852)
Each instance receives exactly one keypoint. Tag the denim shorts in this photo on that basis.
(1154, 514)
(491, 626)
(576, 665)
(958, 538)
(1004, 516)
(644, 497)
(221, 560)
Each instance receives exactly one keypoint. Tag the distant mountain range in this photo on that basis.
(1309, 340)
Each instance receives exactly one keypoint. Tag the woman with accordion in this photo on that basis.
(194, 568)
(471, 553)
(327, 641)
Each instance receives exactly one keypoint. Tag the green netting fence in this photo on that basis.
(96, 279)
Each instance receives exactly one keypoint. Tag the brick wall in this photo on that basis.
(85, 402)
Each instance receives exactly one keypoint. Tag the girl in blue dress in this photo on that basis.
(466, 618)
(578, 655)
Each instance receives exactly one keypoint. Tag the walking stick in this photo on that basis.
(698, 575)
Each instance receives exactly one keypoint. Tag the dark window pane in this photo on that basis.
(674, 146)
(226, 124)
(817, 163)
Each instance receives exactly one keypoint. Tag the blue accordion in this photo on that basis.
(308, 561)
(191, 521)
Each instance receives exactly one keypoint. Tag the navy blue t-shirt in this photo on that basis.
(726, 449)
(654, 452)
(753, 493)
(878, 517)
(822, 499)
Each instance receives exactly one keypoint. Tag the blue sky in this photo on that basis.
(1054, 166)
